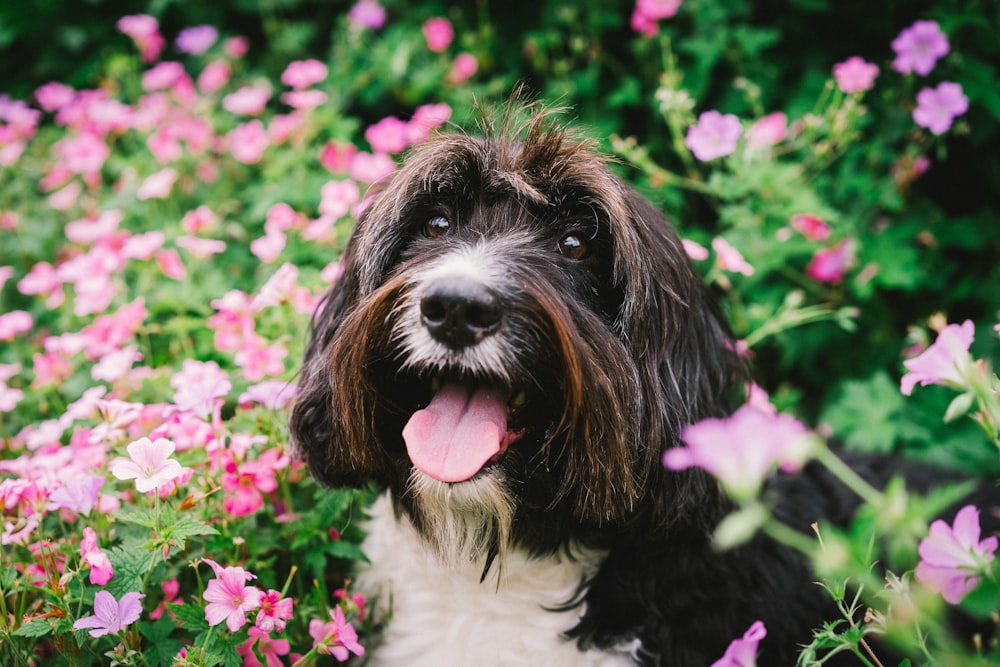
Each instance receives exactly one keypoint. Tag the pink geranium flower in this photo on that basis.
(370, 168)
(247, 142)
(942, 362)
(742, 652)
(14, 323)
(829, 264)
(274, 611)
(389, 135)
(247, 101)
(919, 47)
(196, 39)
(854, 75)
(259, 360)
(77, 494)
(768, 131)
(111, 616)
(648, 12)
(214, 76)
(741, 450)
(303, 73)
(157, 185)
(271, 649)
(149, 464)
(938, 107)
(438, 33)
(91, 554)
(337, 638)
(462, 69)
(367, 14)
(810, 226)
(729, 258)
(199, 386)
(228, 596)
(145, 32)
(953, 558)
(713, 136)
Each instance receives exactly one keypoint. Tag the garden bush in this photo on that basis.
(176, 186)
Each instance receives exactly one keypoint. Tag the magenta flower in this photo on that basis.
(713, 136)
(214, 76)
(196, 39)
(389, 135)
(337, 638)
(953, 558)
(938, 107)
(829, 264)
(228, 596)
(919, 47)
(438, 33)
(462, 69)
(111, 615)
(940, 363)
(742, 652)
(648, 12)
(100, 565)
(854, 75)
(810, 226)
(149, 464)
(145, 32)
(743, 449)
(274, 612)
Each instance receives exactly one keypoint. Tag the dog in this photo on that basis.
(516, 339)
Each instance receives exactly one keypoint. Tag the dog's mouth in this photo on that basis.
(464, 429)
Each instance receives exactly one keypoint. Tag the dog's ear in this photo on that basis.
(681, 345)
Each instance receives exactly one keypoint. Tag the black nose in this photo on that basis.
(460, 313)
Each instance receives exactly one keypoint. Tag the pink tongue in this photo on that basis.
(453, 437)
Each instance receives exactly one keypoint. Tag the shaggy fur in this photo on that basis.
(588, 317)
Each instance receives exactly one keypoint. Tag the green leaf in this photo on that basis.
(187, 527)
(190, 618)
(129, 566)
(864, 413)
(137, 515)
(36, 628)
(959, 406)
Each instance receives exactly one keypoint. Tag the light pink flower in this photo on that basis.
(940, 363)
(438, 33)
(367, 14)
(199, 219)
(337, 197)
(158, 185)
(729, 258)
(145, 32)
(54, 95)
(426, 117)
(268, 248)
(196, 39)
(694, 250)
(919, 47)
(14, 323)
(248, 142)
(111, 616)
(303, 73)
(337, 156)
(272, 394)
(829, 264)
(854, 75)
(337, 637)
(714, 135)
(100, 565)
(742, 652)
(229, 598)
(768, 131)
(199, 386)
(938, 107)
(462, 69)
(200, 247)
(742, 450)
(77, 494)
(304, 100)
(389, 135)
(149, 464)
(810, 226)
(236, 47)
(116, 364)
(163, 76)
(247, 101)
(953, 558)
(258, 360)
(214, 76)
(170, 263)
(371, 168)
(82, 154)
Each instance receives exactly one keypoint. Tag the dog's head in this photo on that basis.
(516, 333)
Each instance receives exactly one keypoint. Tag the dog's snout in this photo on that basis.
(460, 313)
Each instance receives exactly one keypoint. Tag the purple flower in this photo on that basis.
(919, 47)
(367, 14)
(742, 652)
(197, 39)
(938, 107)
(953, 558)
(78, 494)
(714, 135)
(938, 364)
(854, 75)
(741, 450)
(111, 615)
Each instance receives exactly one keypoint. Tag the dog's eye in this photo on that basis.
(437, 227)
(572, 246)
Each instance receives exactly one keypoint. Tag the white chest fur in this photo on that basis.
(444, 617)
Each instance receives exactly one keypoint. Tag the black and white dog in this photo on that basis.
(516, 340)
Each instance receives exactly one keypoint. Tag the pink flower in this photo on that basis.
(158, 185)
(115, 364)
(371, 168)
(199, 385)
(171, 265)
(919, 47)
(953, 558)
(713, 136)
(163, 76)
(111, 615)
(337, 156)
(743, 652)
(741, 450)
(274, 611)
(145, 32)
(271, 649)
(149, 464)
(199, 219)
(462, 69)
(228, 596)
(247, 101)
(694, 250)
(54, 95)
(438, 33)
(367, 14)
(648, 12)
(768, 131)
(215, 75)
(236, 47)
(272, 394)
(201, 247)
(248, 141)
(938, 107)
(196, 39)
(810, 226)
(303, 73)
(427, 117)
(854, 75)
(258, 360)
(337, 638)
(100, 565)
(83, 154)
(829, 264)
(940, 363)
(268, 248)
(14, 323)
(729, 258)
(304, 100)
(389, 135)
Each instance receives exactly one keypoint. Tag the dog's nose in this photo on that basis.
(460, 313)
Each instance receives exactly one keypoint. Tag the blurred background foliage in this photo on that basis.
(931, 245)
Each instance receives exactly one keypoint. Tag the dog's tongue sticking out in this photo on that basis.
(462, 428)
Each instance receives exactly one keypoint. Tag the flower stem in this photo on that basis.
(846, 474)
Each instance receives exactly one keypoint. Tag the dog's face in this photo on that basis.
(516, 339)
